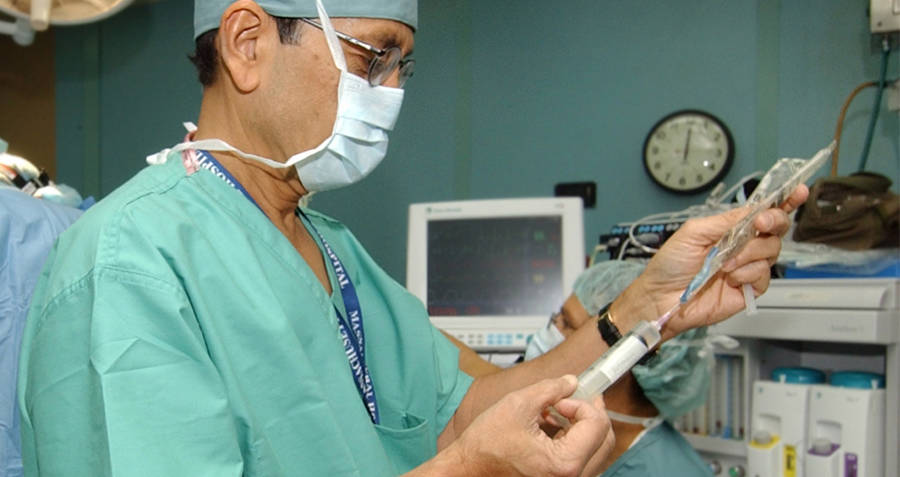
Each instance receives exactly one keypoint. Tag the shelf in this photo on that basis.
(846, 326)
(836, 310)
(832, 293)
(730, 447)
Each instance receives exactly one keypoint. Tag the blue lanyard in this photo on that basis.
(355, 341)
(208, 162)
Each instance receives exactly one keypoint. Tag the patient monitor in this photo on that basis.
(491, 272)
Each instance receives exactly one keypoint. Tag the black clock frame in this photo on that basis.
(729, 159)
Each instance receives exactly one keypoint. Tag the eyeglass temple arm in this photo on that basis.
(347, 38)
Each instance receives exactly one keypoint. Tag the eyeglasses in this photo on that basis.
(383, 63)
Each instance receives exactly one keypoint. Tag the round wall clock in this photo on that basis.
(688, 151)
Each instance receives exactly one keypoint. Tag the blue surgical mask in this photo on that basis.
(359, 137)
(544, 340)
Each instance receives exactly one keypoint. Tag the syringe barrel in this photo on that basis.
(614, 363)
(617, 361)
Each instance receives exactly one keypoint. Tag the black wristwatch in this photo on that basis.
(607, 328)
(611, 334)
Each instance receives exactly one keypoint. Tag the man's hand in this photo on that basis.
(681, 257)
(507, 438)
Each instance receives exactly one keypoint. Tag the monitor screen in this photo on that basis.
(491, 272)
(499, 266)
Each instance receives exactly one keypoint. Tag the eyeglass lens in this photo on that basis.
(384, 64)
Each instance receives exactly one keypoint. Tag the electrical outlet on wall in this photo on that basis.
(893, 96)
(884, 15)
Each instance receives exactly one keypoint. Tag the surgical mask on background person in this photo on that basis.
(646, 422)
(358, 140)
(544, 340)
(676, 380)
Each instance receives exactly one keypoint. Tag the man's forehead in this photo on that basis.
(208, 13)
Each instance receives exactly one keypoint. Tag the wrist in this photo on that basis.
(449, 462)
(636, 304)
(630, 308)
(465, 458)
(612, 335)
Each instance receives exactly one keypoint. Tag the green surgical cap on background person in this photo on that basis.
(600, 284)
(208, 13)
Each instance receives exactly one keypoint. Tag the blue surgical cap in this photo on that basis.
(208, 13)
(600, 284)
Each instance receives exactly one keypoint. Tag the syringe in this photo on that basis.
(775, 187)
(614, 363)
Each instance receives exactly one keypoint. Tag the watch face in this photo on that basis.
(688, 151)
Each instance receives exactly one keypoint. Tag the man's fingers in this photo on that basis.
(764, 248)
(609, 443)
(710, 229)
(756, 273)
(797, 198)
(773, 221)
(590, 430)
(575, 409)
(544, 393)
(776, 221)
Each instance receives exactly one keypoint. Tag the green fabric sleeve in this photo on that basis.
(452, 382)
(118, 381)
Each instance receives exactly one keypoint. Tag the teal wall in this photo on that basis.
(506, 102)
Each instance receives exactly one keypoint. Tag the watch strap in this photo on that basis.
(607, 328)
(611, 334)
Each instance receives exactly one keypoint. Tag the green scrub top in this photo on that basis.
(176, 331)
(662, 452)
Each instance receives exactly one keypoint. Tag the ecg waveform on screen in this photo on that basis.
(494, 266)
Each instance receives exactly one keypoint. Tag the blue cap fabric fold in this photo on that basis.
(208, 13)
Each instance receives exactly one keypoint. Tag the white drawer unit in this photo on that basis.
(832, 324)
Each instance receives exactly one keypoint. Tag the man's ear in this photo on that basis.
(243, 37)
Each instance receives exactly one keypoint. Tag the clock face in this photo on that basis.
(688, 151)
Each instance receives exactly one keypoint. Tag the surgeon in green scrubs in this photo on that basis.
(198, 322)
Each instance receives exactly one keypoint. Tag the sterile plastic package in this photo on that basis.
(774, 188)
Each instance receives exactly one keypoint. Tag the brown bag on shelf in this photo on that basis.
(855, 212)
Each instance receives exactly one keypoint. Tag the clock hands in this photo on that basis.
(687, 145)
